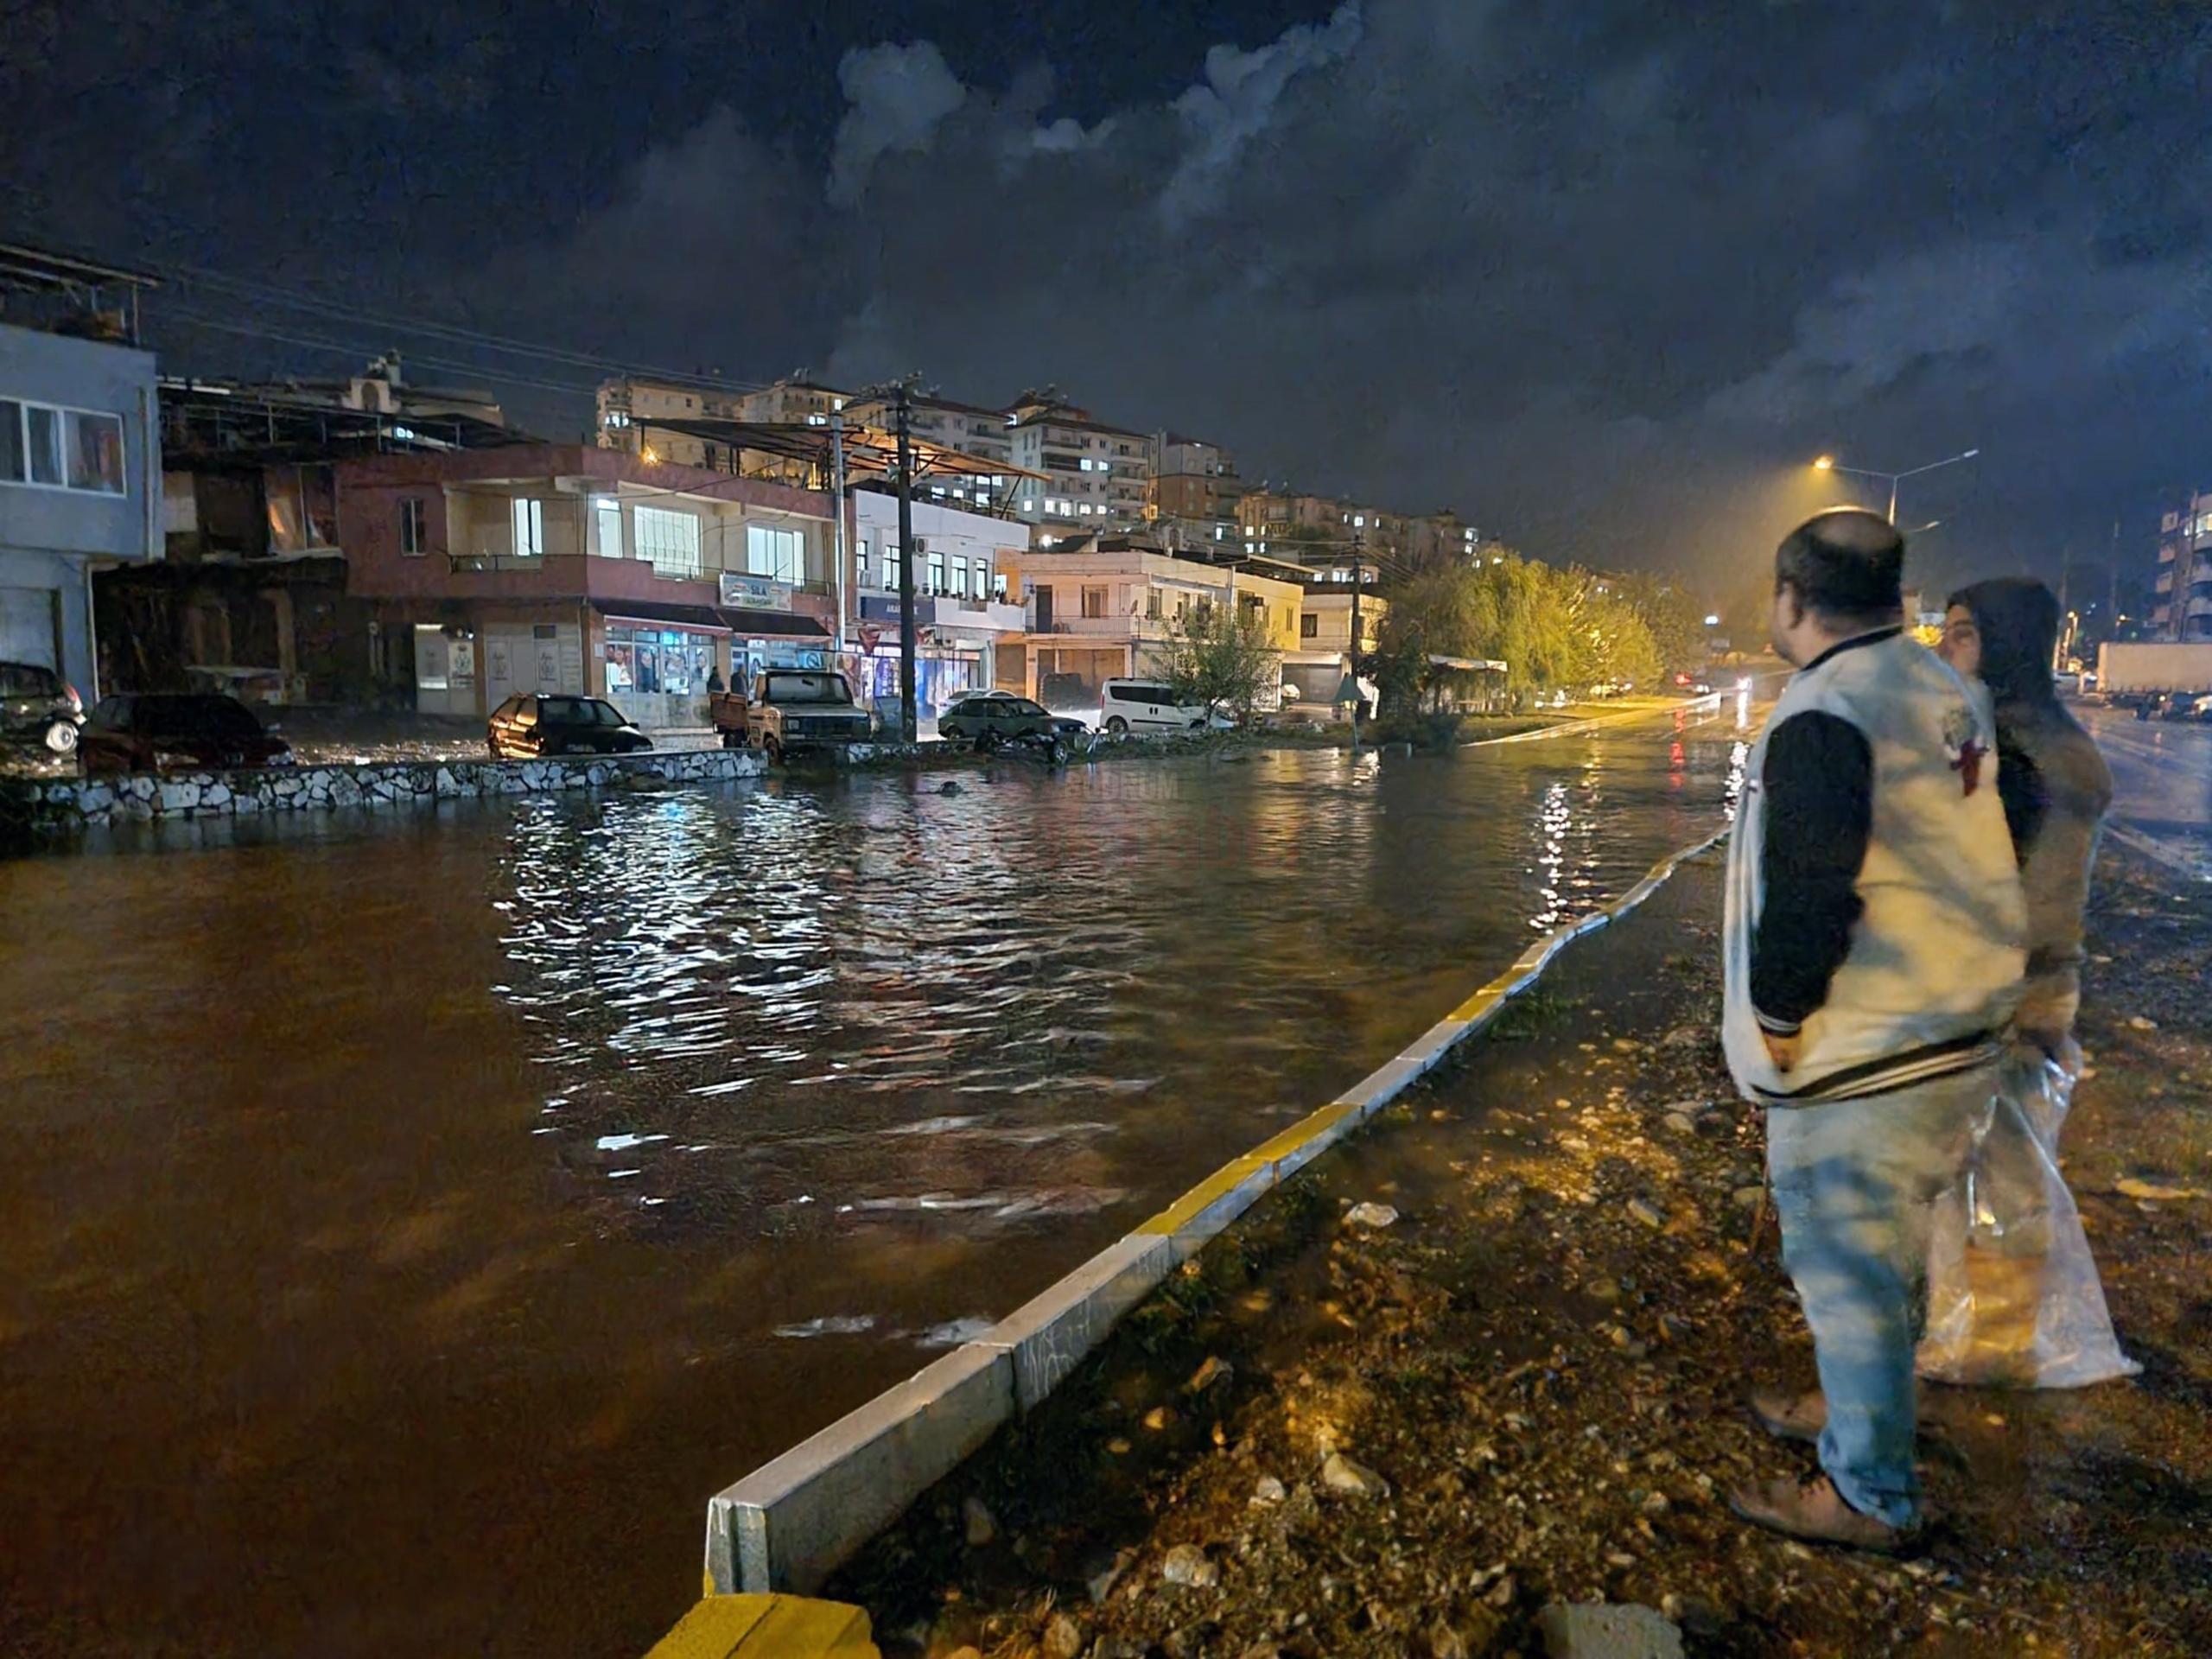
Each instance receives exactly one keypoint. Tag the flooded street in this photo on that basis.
(410, 1221)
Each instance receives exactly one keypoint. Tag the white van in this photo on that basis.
(1146, 706)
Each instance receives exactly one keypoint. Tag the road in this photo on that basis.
(2162, 786)
(411, 1220)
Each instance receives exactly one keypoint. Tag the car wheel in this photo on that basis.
(1119, 726)
(774, 749)
(61, 737)
(1058, 751)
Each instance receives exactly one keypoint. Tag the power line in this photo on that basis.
(451, 365)
(302, 299)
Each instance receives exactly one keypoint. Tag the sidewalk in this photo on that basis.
(1532, 1381)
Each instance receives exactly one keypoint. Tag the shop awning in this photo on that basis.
(762, 624)
(650, 613)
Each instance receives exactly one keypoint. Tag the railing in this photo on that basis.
(463, 563)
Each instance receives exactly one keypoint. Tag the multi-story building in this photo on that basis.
(1104, 610)
(634, 413)
(2181, 605)
(1437, 538)
(559, 568)
(80, 453)
(1085, 475)
(1323, 653)
(1194, 492)
(965, 564)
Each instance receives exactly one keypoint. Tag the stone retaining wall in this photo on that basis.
(67, 802)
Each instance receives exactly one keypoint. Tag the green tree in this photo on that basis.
(1219, 659)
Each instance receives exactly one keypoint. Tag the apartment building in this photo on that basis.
(1103, 611)
(2181, 605)
(1086, 476)
(80, 453)
(1194, 492)
(559, 568)
(634, 413)
(964, 565)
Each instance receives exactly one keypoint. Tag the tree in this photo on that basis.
(1220, 659)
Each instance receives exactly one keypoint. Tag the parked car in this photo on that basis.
(793, 711)
(1146, 706)
(2186, 706)
(38, 706)
(538, 724)
(1064, 691)
(994, 717)
(176, 731)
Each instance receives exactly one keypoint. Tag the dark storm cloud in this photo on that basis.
(1604, 275)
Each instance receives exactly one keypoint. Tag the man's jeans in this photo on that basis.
(1853, 1183)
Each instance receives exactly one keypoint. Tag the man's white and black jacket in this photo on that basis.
(1874, 908)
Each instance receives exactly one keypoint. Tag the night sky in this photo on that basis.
(1604, 275)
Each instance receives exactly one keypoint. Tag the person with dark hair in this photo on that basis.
(2055, 786)
(2056, 791)
(1873, 955)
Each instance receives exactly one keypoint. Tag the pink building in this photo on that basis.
(565, 567)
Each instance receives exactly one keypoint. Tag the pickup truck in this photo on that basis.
(791, 711)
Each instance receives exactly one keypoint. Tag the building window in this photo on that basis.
(414, 526)
(529, 528)
(1094, 602)
(607, 513)
(936, 570)
(998, 586)
(860, 562)
(779, 554)
(891, 563)
(62, 448)
(1152, 603)
(668, 540)
(1309, 626)
(960, 578)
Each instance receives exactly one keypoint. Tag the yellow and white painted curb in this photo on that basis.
(791, 1523)
(768, 1627)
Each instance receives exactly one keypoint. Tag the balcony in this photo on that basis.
(2167, 551)
(2165, 583)
(946, 611)
(2196, 607)
(1102, 627)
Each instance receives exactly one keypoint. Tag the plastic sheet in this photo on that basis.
(2013, 1296)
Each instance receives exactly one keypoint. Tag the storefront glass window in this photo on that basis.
(674, 661)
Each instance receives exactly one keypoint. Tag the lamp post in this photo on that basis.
(1828, 464)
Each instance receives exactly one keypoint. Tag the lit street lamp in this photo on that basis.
(1826, 464)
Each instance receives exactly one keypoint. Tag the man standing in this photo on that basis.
(1873, 954)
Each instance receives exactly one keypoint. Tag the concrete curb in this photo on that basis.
(791, 1523)
(767, 1627)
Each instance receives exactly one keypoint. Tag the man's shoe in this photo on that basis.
(1815, 1512)
(1791, 1416)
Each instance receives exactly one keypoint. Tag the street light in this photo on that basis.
(1826, 464)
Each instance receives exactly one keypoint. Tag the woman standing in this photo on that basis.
(2013, 1296)
(2055, 787)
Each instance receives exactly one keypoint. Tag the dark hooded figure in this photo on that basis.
(2054, 784)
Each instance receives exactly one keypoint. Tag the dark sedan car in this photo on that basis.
(176, 731)
(994, 718)
(525, 727)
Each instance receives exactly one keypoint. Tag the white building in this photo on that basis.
(1090, 476)
(963, 571)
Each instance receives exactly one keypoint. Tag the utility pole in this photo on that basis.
(1351, 660)
(902, 407)
(837, 499)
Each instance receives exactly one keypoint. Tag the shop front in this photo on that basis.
(654, 661)
(767, 631)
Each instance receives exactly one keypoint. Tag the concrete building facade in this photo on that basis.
(80, 488)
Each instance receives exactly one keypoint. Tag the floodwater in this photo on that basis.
(2162, 784)
(409, 1221)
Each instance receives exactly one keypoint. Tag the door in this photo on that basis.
(1044, 610)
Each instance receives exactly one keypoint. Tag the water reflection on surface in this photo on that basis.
(419, 1218)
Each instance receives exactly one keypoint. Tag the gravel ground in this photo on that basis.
(1327, 1439)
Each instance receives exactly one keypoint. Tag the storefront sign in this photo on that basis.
(744, 593)
(460, 662)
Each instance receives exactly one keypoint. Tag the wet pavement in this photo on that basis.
(2162, 786)
(412, 1220)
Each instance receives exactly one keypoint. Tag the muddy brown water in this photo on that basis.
(409, 1221)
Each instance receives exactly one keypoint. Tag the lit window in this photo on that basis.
(779, 554)
(1029, 504)
(817, 420)
(668, 540)
(529, 524)
(608, 512)
(1360, 523)
(64, 448)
